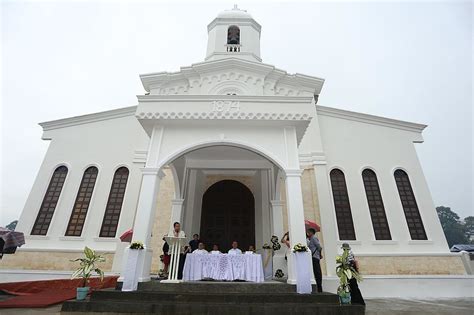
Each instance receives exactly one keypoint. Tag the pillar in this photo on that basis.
(144, 218)
(295, 209)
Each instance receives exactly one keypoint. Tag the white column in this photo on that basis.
(294, 201)
(328, 218)
(145, 217)
(176, 213)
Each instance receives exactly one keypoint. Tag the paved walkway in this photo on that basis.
(420, 307)
(374, 307)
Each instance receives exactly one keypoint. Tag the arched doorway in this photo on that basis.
(228, 213)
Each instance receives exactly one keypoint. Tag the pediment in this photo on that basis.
(231, 76)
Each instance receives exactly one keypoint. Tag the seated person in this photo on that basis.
(251, 250)
(194, 243)
(201, 249)
(215, 249)
(235, 249)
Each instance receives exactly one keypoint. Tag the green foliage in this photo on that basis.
(345, 271)
(455, 230)
(137, 245)
(87, 265)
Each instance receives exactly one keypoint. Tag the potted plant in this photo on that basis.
(87, 266)
(345, 271)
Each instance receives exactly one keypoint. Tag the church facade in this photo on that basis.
(234, 149)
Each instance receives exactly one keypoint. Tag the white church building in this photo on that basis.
(236, 149)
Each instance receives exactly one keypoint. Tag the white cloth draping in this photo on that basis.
(267, 264)
(303, 272)
(223, 267)
(130, 276)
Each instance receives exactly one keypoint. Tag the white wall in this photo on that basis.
(106, 144)
(353, 146)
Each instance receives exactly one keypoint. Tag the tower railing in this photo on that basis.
(233, 48)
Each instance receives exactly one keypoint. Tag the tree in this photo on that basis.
(469, 227)
(453, 228)
(12, 225)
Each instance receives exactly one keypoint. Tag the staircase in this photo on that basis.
(213, 298)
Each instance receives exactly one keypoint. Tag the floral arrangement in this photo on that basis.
(266, 246)
(345, 270)
(137, 245)
(87, 266)
(279, 273)
(275, 244)
(300, 248)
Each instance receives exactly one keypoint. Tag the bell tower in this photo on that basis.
(233, 33)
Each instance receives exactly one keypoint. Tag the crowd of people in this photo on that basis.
(196, 246)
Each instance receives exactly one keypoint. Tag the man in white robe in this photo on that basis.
(235, 249)
(201, 250)
(215, 250)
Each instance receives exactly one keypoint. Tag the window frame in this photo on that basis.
(376, 211)
(80, 212)
(43, 201)
(423, 236)
(347, 207)
(101, 230)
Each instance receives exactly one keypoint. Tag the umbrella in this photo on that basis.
(127, 236)
(311, 224)
(9, 241)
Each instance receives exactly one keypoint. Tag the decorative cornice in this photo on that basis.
(89, 118)
(370, 119)
(241, 98)
(224, 115)
(293, 173)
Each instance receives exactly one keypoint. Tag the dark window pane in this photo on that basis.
(376, 206)
(81, 205)
(342, 206)
(50, 200)
(114, 204)
(410, 207)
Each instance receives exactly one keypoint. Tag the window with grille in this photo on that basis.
(410, 207)
(81, 205)
(114, 203)
(345, 224)
(50, 201)
(376, 207)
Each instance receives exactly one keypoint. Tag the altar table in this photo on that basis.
(223, 267)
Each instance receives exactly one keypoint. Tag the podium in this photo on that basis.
(175, 244)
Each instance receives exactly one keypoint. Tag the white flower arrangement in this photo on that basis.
(137, 245)
(300, 248)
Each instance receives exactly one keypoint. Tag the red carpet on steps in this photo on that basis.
(47, 292)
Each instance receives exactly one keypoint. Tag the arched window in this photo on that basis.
(376, 207)
(114, 203)
(81, 205)
(345, 225)
(410, 207)
(233, 35)
(50, 201)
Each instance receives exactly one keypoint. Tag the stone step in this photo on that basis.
(191, 308)
(217, 287)
(212, 297)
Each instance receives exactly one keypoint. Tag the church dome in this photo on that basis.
(234, 13)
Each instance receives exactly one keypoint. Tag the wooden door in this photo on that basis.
(228, 214)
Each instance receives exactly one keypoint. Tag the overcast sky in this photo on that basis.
(403, 60)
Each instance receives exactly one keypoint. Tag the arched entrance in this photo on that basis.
(228, 214)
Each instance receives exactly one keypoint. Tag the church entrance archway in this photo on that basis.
(228, 214)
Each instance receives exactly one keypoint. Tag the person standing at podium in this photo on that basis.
(178, 233)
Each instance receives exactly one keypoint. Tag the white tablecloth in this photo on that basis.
(223, 267)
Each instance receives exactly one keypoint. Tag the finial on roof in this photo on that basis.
(235, 7)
